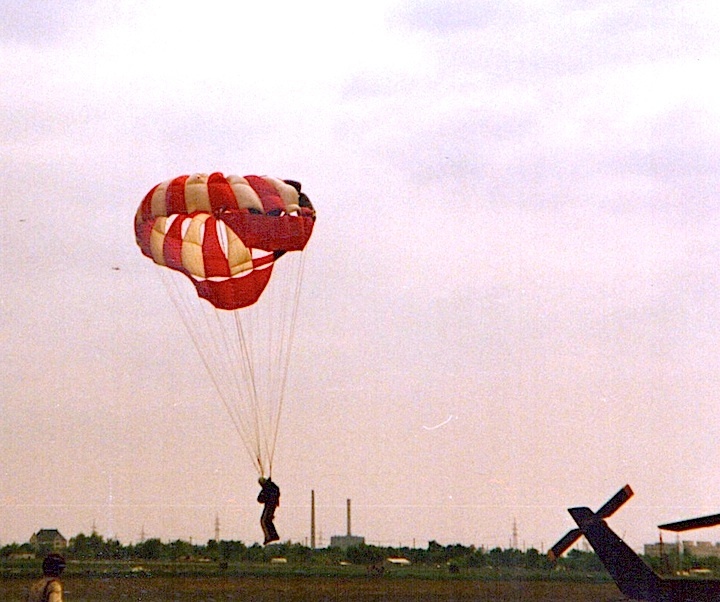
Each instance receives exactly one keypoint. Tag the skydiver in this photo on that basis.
(270, 496)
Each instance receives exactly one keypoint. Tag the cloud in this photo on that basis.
(560, 38)
(453, 16)
(38, 23)
(546, 106)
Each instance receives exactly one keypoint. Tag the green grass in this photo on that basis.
(194, 582)
(149, 569)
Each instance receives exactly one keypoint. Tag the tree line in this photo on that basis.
(96, 547)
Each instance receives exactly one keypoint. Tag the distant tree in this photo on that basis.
(417, 555)
(13, 548)
(113, 550)
(179, 549)
(458, 555)
(328, 556)
(84, 547)
(478, 558)
(365, 554)
(535, 560)
(435, 553)
(212, 550)
(232, 551)
(150, 549)
(295, 552)
(578, 560)
(495, 557)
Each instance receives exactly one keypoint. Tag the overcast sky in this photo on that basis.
(511, 301)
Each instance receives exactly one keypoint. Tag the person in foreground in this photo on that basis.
(49, 588)
(270, 496)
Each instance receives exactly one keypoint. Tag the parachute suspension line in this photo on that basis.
(268, 328)
(233, 357)
(246, 353)
(285, 354)
(245, 360)
(196, 329)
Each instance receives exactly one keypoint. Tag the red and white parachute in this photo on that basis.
(239, 240)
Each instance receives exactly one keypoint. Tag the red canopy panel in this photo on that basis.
(206, 227)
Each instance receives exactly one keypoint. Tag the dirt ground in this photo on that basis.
(328, 589)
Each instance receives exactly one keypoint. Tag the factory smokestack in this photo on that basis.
(312, 519)
(348, 519)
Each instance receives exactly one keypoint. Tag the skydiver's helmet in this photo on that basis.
(53, 565)
(262, 481)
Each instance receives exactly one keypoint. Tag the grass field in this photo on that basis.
(263, 583)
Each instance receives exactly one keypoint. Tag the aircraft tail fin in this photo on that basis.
(634, 578)
(607, 509)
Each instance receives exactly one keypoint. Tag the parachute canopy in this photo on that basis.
(224, 233)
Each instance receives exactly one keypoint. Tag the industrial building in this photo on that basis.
(346, 541)
(698, 549)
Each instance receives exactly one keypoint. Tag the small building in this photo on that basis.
(701, 549)
(278, 560)
(48, 539)
(346, 541)
(657, 550)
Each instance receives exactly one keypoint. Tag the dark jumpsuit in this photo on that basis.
(270, 496)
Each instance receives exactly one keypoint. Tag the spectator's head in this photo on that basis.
(53, 565)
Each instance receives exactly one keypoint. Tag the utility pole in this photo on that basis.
(349, 530)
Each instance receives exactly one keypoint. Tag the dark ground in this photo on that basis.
(293, 588)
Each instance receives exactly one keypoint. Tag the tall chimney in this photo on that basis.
(348, 518)
(312, 519)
